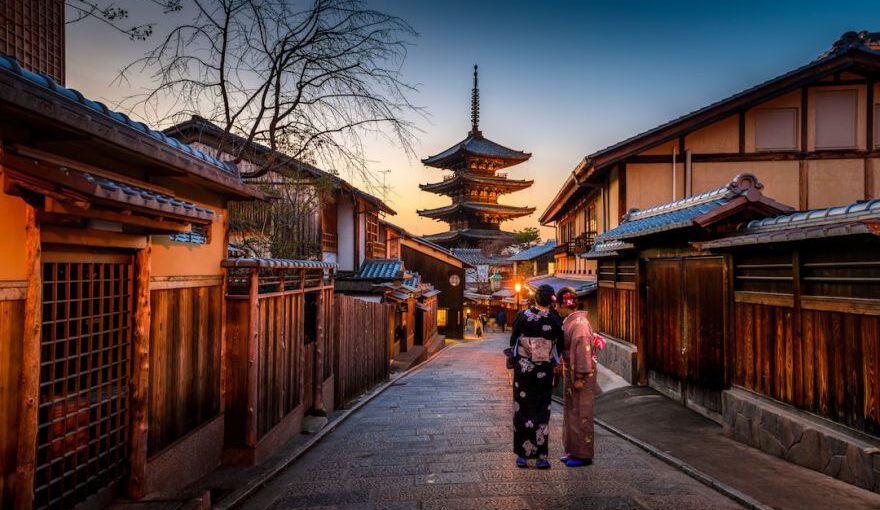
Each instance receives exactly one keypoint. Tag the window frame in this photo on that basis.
(854, 93)
(763, 111)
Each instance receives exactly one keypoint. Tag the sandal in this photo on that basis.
(573, 462)
(564, 458)
(542, 464)
(521, 462)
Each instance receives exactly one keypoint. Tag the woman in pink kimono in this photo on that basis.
(579, 366)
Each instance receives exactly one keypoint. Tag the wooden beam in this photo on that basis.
(621, 191)
(804, 117)
(140, 375)
(318, 399)
(86, 237)
(30, 366)
(727, 157)
(803, 185)
(869, 140)
(742, 132)
(156, 225)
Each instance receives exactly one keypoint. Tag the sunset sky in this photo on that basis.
(557, 79)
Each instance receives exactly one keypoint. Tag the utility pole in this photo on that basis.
(384, 185)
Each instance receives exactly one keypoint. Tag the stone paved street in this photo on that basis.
(440, 438)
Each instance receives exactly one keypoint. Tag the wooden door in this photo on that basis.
(664, 318)
(704, 321)
(83, 417)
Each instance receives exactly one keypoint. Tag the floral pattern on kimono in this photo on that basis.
(533, 383)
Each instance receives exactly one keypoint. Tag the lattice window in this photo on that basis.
(82, 442)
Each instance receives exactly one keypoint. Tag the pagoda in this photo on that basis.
(474, 186)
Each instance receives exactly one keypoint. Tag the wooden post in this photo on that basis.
(30, 366)
(140, 374)
(253, 350)
(318, 401)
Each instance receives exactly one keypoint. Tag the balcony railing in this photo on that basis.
(583, 242)
(375, 249)
(329, 242)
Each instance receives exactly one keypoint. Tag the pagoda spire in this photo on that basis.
(475, 107)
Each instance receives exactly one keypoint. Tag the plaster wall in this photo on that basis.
(345, 231)
(614, 199)
(722, 136)
(12, 225)
(780, 178)
(171, 258)
(790, 100)
(650, 184)
(835, 182)
(662, 149)
(861, 115)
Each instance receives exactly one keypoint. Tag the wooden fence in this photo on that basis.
(807, 330)
(364, 331)
(277, 330)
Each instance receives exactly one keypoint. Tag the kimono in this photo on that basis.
(536, 338)
(578, 366)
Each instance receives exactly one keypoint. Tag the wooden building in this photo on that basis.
(446, 273)
(33, 34)
(805, 300)
(475, 215)
(535, 261)
(810, 136)
(111, 300)
(668, 299)
(316, 215)
(744, 313)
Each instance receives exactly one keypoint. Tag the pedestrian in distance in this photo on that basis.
(579, 375)
(501, 318)
(535, 341)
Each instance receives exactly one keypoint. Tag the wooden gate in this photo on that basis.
(82, 443)
(686, 328)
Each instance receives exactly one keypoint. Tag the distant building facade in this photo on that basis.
(32, 32)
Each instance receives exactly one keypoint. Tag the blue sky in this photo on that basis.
(558, 79)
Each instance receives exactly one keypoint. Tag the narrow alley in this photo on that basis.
(440, 438)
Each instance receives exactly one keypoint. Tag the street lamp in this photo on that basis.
(518, 287)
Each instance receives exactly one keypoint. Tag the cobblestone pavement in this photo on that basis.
(440, 438)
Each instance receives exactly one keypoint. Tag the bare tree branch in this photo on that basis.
(308, 79)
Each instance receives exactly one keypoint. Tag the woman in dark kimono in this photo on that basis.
(536, 335)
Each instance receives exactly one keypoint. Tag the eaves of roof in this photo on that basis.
(40, 96)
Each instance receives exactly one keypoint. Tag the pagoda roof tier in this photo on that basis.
(475, 146)
(510, 211)
(468, 234)
(460, 179)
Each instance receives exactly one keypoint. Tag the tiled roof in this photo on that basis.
(468, 233)
(270, 263)
(534, 252)
(509, 210)
(381, 269)
(9, 64)
(476, 257)
(580, 287)
(460, 178)
(682, 213)
(608, 249)
(199, 129)
(116, 191)
(853, 219)
(414, 281)
(476, 145)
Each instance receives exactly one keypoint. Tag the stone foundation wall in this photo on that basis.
(800, 438)
(620, 357)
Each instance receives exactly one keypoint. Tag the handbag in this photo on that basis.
(509, 354)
